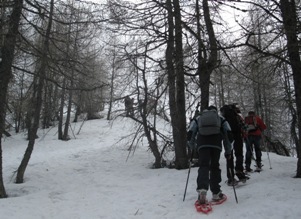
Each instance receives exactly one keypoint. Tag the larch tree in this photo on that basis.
(290, 24)
(10, 33)
(37, 98)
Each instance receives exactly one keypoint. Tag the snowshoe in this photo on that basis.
(242, 176)
(231, 182)
(203, 208)
(248, 170)
(258, 168)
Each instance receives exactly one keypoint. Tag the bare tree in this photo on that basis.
(207, 58)
(290, 23)
(37, 98)
(148, 21)
(10, 33)
(285, 14)
(174, 54)
(115, 64)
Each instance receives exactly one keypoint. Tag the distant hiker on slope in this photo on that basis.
(255, 126)
(129, 106)
(211, 129)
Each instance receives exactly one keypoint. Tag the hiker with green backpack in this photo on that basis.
(206, 133)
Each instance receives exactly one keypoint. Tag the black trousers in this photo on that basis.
(209, 173)
(253, 140)
(239, 157)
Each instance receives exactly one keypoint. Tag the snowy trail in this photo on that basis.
(89, 177)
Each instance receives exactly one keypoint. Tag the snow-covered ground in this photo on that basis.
(90, 177)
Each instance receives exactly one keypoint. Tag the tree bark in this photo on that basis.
(206, 64)
(7, 52)
(38, 101)
(68, 116)
(289, 15)
(61, 112)
(174, 54)
(111, 93)
(180, 116)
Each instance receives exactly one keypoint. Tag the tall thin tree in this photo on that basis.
(7, 53)
(290, 22)
(38, 94)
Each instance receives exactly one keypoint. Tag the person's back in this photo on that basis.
(210, 133)
(255, 124)
(230, 112)
(205, 130)
(128, 103)
(209, 129)
(255, 127)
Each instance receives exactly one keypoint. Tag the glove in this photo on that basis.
(228, 156)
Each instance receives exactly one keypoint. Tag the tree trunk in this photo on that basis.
(288, 10)
(290, 102)
(206, 64)
(61, 112)
(46, 108)
(180, 116)
(111, 87)
(19, 108)
(6, 61)
(170, 50)
(176, 83)
(68, 116)
(38, 101)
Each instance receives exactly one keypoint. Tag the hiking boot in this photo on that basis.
(231, 182)
(202, 196)
(241, 176)
(248, 169)
(259, 165)
(218, 197)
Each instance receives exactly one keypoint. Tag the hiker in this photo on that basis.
(129, 105)
(255, 126)
(233, 116)
(210, 130)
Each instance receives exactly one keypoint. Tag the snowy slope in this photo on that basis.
(88, 177)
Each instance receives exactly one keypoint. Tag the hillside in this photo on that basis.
(88, 177)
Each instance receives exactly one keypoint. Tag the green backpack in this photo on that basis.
(209, 123)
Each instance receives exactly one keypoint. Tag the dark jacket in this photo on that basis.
(213, 141)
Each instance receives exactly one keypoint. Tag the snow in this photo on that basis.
(90, 177)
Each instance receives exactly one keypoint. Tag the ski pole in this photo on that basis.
(188, 175)
(233, 184)
(231, 172)
(266, 148)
